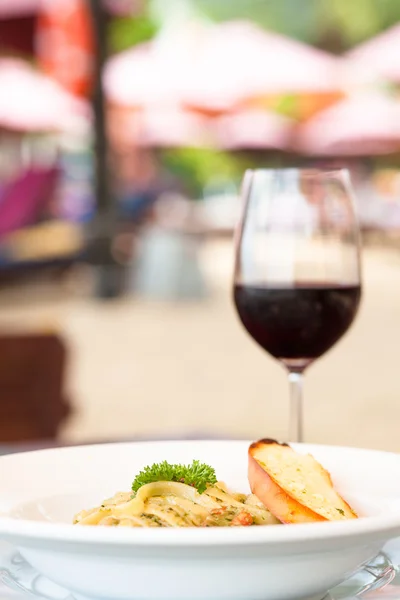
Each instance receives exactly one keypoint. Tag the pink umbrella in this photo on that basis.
(216, 67)
(178, 127)
(379, 55)
(362, 125)
(30, 101)
(238, 60)
(172, 127)
(252, 129)
(143, 77)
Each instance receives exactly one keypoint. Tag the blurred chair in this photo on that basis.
(25, 198)
(32, 401)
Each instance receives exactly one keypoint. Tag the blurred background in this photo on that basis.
(125, 128)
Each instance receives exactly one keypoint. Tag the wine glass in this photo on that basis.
(297, 281)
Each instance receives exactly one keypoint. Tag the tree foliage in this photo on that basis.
(125, 32)
(358, 20)
(346, 22)
(335, 25)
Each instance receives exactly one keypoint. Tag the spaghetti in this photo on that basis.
(174, 504)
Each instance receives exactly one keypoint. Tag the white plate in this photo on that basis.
(22, 579)
(40, 492)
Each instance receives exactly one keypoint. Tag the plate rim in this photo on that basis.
(22, 529)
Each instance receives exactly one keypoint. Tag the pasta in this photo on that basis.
(175, 504)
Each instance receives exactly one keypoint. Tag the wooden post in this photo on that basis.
(108, 273)
(102, 183)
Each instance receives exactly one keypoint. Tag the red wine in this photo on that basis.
(297, 324)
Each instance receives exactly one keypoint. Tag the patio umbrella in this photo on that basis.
(362, 125)
(158, 127)
(174, 127)
(379, 55)
(252, 129)
(215, 68)
(239, 60)
(179, 127)
(143, 77)
(29, 101)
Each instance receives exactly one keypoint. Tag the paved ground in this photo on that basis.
(140, 368)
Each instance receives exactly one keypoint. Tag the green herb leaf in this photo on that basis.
(198, 475)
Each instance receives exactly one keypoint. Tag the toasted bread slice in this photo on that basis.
(293, 486)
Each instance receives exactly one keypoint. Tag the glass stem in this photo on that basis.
(296, 407)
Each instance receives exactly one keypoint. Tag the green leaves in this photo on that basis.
(198, 475)
(125, 32)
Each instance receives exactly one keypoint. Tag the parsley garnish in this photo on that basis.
(198, 475)
(340, 511)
